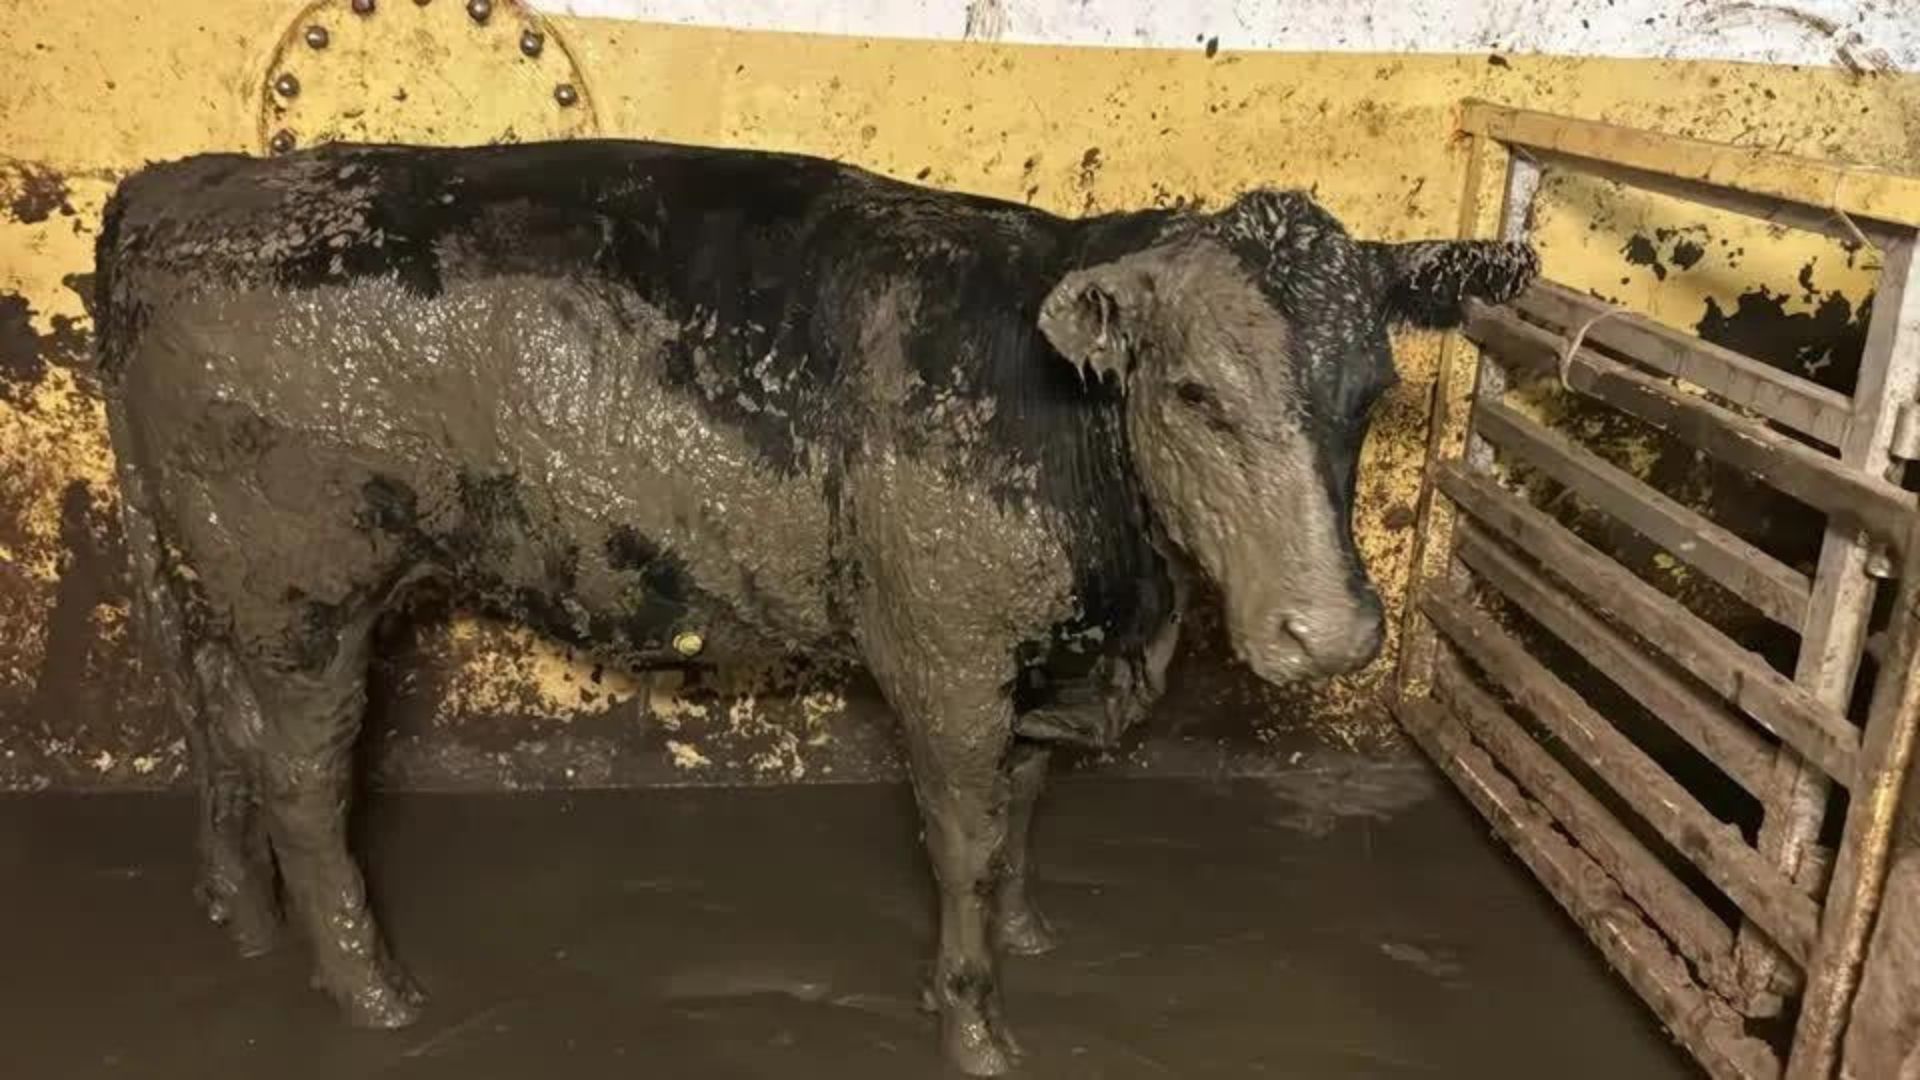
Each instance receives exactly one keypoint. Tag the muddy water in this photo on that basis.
(1249, 929)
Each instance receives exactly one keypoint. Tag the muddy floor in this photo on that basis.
(1212, 930)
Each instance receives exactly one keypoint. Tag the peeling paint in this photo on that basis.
(1821, 341)
(33, 194)
(685, 756)
(508, 669)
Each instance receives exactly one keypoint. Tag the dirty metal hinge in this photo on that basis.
(1879, 561)
(1906, 432)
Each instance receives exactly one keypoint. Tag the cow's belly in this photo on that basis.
(673, 577)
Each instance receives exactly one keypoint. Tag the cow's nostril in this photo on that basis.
(1340, 647)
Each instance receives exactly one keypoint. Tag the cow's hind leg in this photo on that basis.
(311, 713)
(1022, 930)
(236, 883)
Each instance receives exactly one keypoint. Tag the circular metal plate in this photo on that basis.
(425, 72)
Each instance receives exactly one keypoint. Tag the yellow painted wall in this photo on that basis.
(93, 89)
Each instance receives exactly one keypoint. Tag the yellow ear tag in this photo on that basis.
(688, 643)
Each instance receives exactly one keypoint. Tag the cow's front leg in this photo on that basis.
(958, 749)
(305, 754)
(1022, 930)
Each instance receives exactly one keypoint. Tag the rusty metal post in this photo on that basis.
(1860, 872)
(1833, 635)
(1413, 670)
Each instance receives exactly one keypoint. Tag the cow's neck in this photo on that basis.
(1112, 236)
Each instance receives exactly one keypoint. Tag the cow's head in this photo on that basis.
(1251, 346)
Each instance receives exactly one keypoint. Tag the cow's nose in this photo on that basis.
(1337, 643)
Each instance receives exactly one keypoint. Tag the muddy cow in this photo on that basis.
(657, 401)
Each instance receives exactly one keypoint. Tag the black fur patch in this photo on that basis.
(660, 574)
(1431, 282)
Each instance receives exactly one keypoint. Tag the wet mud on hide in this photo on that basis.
(87, 716)
(434, 723)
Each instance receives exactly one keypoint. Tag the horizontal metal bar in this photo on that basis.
(1787, 915)
(1694, 929)
(1761, 208)
(1823, 737)
(1724, 739)
(1711, 1032)
(1814, 478)
(1774, 588)
(1799, 403)
(1766, 176)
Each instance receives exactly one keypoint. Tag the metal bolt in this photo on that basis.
(317, 37)
(478, 10)
(282, 141)
(531, 42)
(363, 7)
(565, 94)
(286, 85)
(1879, 562)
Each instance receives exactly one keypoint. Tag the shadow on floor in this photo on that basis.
(1212, 930)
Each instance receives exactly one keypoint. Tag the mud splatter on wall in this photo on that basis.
(1075, 130)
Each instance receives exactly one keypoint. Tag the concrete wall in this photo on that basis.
(1073, 106)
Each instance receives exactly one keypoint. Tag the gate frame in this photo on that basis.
(1636, 919)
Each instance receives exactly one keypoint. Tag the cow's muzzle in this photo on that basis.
(1317, 641)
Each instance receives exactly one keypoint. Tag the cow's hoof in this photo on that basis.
(379, 1004)
(255, 934)
(384, 1008)
(254, 921)
(251, 916)
(215, 900)
(212, 903)
(410, 991)
(1025, 932)
(976, 1047)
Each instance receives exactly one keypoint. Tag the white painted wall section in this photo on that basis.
(1863, 35)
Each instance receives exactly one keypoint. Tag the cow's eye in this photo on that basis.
(1194, 393)
(1204, 403)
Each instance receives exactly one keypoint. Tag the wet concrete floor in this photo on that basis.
(1211, 930)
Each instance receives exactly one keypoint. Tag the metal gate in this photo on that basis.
(1746, 941)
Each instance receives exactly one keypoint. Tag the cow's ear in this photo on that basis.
(1094, 317)
(1430, 281)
